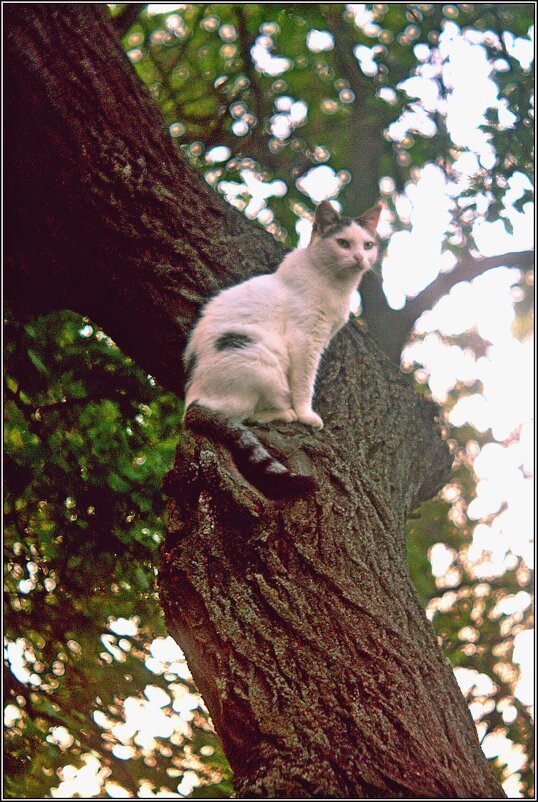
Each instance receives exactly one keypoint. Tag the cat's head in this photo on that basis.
(344, 245)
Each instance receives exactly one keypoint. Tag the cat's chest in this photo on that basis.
(318, 317)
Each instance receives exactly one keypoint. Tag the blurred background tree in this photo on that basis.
(279, 106)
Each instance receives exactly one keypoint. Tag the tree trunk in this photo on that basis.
(299, 620)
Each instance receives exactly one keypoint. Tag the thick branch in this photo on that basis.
(105, 216)
(299, 619)
(392, 328)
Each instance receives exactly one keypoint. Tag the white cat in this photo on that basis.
(255, 351)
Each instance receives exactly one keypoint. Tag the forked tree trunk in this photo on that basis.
(299, 620)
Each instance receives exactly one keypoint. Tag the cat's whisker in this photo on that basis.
(328, 268)
(336, 267)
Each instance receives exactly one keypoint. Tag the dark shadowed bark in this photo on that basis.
(299, 620)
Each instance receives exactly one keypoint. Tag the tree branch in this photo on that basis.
(364, 158)
(466, 270)
(246, 42)
(391, 328)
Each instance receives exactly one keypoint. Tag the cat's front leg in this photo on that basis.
(311, 418)
(304, 362)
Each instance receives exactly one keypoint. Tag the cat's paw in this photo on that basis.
(311, 418)
(289, 415)
(286, 415)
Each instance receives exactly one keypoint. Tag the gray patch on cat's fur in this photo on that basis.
(232, 339)
(333, 230)
(330, 230)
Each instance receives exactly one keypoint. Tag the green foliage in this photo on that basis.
(88, 438)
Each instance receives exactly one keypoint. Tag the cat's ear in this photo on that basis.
(326, 217)
(370, 218)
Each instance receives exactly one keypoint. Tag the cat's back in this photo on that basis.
(257, 304)
(254, 300)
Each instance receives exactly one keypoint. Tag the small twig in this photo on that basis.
(127, 18)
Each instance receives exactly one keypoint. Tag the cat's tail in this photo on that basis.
(251, 457)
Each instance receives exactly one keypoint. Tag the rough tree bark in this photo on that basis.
(299, 620)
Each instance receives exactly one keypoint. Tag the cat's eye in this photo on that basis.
(344, 243)
(368, 246)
